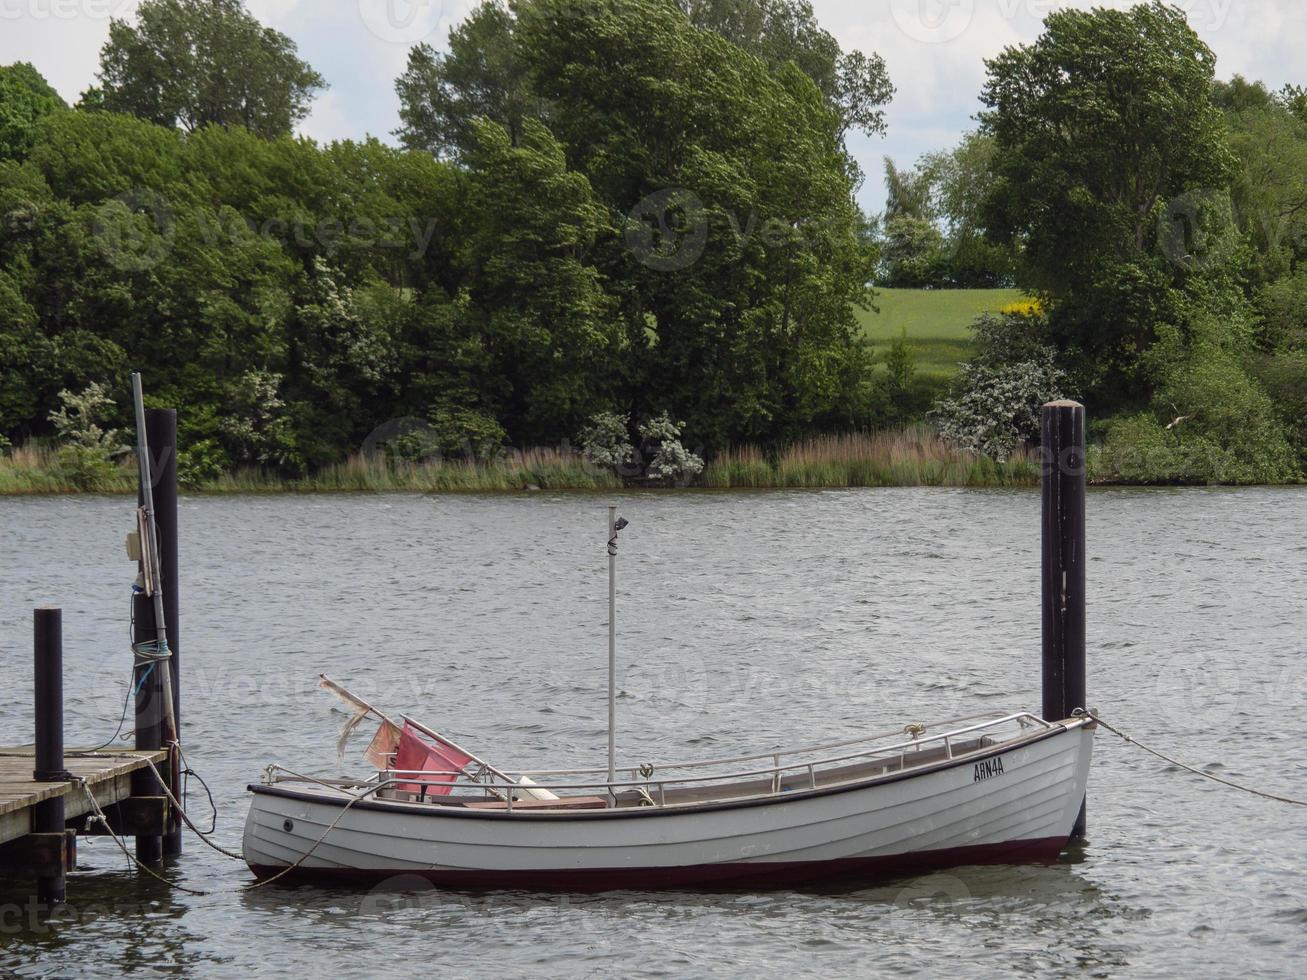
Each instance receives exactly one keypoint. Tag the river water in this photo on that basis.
(744, 619)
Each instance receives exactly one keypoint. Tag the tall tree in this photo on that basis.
(742, 255)
(25, 98)
(1112, 169)
(193, 63)
(482, 77)
(856, 85)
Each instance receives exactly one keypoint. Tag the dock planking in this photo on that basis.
(107, 773)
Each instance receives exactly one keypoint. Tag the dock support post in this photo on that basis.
(161, 430)
(1063, 591)
(48, 816)
(149, 720)
(153, 729)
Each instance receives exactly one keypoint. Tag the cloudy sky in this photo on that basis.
(934, 48)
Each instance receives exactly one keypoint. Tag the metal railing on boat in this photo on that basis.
(642, 780)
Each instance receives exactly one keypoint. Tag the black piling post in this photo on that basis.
(48, 817)
(1064, 564)
(149, 719)
(161, 430)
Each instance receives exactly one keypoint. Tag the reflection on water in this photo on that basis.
(744, 620)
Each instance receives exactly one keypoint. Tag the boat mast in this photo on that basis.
(615, 524)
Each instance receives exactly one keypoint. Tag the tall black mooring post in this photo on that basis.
(48, 815)
(1063, 591)
(161, 434)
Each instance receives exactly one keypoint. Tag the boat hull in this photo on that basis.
(1015, 804)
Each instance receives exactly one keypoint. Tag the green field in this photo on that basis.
(937, 321)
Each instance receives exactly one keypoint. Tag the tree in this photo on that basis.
(530, 256)
(25, 98)
(193, 63)
(482, 77)
(856, 85)
(742, 255)
(1270, 189)
(1112, 169)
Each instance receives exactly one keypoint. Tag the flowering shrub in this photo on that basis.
(606, 440)
(83, 457)
(672, 461)
(995, 409)
(1031, 307)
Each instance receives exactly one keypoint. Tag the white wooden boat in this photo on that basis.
(980, 790)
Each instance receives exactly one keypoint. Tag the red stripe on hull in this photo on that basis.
(774, 875)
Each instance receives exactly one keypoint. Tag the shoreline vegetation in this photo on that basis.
(912, 456)
(908, 457)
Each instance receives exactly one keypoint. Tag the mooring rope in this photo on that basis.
(101, 818)
(187, 820)
(1197, 772)
(240, 857)
(309, 853)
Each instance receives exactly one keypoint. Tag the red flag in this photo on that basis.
(381, 749)
(416, 754)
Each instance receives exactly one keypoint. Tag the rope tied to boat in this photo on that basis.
(1130, 739)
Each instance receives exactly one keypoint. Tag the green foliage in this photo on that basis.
(25, 98)
(1282, 309)
(482, 77)
(900, 371)
(1211, 423)
(1270, 190)
(913, 254)
(256, 423)
(1111, 163)
(780, 32)
(194, 63)
(85, 444)
(467, 434)
(934, 230)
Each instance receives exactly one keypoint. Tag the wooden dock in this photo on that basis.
(107, 773)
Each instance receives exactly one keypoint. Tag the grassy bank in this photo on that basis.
(39, 471)
(914, 456)
(937, 322)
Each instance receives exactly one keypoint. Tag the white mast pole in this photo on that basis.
(612, 653)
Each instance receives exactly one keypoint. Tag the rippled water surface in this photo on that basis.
(744, 620)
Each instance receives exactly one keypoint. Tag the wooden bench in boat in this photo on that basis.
(562, 803)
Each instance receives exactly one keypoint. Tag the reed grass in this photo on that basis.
(544, 469)
(909, 457)
(38, 469)
(913, 456)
